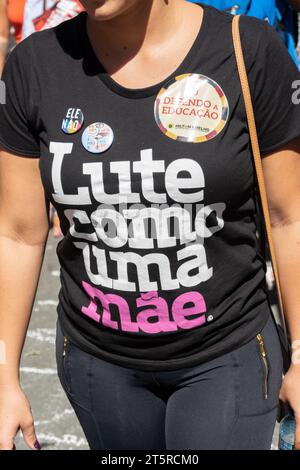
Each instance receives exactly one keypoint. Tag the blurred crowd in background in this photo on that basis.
(20, 18)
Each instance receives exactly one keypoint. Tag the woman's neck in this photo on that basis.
(147, 25)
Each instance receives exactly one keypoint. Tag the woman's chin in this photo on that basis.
(103, 10)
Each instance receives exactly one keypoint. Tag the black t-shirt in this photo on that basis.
(154, 188)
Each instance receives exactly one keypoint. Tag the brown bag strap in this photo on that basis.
(257, 158)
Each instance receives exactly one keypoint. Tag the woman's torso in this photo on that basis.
(176, 153)
(199, 287)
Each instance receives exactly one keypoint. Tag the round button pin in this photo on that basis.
(191, 108)
(97, 137)
(73, 121)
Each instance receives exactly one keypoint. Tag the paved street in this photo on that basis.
(56, 424)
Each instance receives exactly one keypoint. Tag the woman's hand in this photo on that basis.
(15, 414)
(290, 393)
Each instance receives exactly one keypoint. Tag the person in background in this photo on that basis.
(11, 15)
(287, 25)
(4, 33)
(282, 14)
(43, 14)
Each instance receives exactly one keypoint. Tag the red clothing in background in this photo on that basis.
(15, 13)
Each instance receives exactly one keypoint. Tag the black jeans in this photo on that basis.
(221, 404)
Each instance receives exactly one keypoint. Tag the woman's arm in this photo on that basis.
(24, 226)
(282, 178)
(4, 33)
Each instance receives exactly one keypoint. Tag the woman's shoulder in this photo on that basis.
(257, 34)
(49, 44)
(262, 46)
(252, 29)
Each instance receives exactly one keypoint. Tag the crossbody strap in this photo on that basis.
(257, 159)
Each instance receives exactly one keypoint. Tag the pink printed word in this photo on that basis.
(154, 317)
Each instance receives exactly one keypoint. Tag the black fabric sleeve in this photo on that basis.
(18, 132)
(274, 84)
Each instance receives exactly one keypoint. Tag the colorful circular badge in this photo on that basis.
(191, 108)
(97, 137)
(73, 121)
